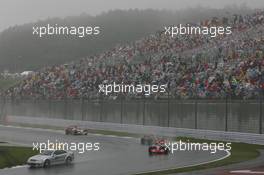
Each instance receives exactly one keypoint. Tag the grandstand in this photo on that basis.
(191, 66)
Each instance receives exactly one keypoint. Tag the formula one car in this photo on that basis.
(51, 157)
(159, 148)
(75, 130)
(147, 140)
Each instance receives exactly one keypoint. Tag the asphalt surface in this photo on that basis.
(255, 167)
(117, 156)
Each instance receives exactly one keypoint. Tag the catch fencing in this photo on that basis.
(220, 115)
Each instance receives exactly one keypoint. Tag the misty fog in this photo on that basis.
(14, 12)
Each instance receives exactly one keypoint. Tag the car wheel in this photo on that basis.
(142, 141)
(46, 164)
(167, 151)
(68, 160)
(150, 152)
(149, 142)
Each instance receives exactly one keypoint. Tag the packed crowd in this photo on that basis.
(190, 65)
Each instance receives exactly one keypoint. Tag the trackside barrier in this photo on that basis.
(140, 129)
(233, 115)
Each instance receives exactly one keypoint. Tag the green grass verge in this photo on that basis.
(115, 133)
(240, 152)
(91, 131)
(13, 156)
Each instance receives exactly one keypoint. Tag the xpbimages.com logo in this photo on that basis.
(80, 31)
(192, 146)
(80, 147)
(197, 30)
(146, 89)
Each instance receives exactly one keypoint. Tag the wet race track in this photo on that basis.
(117, 156)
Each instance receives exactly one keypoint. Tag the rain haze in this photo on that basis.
(14, 12)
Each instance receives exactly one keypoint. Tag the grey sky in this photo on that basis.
(23, 11)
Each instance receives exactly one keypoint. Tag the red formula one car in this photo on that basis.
(159, 148)
(75, 130)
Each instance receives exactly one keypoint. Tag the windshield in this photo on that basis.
(46, 153)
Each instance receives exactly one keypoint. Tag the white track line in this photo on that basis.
(31, 128)
(15, 167)
(211, 161)
(246, 172)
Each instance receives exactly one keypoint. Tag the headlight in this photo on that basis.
(35, 161)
